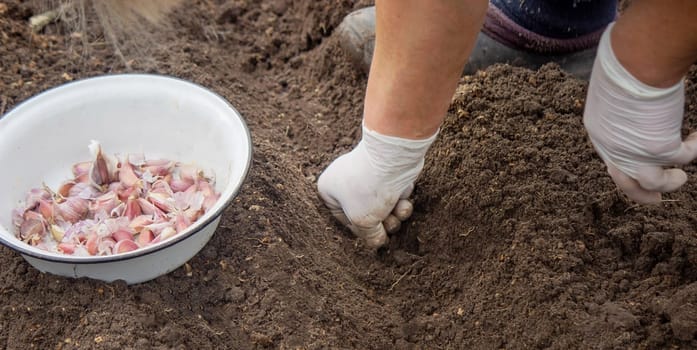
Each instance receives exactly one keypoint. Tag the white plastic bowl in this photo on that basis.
(160, 117)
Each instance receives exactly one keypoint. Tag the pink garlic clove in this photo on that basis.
(180, 185)
(132, 208)
(121, 235)
(125, 246)
(103, 169)
(66, 248)
(161, 201)
(64, 189)
(139, 222)
(126, 192)
(145, 237)
(161, 186)
(150, 209)
(92, 243)
(34, 195)
(193, 214)
(32, 230)
(106, 246)
(189, 172)
(82, 168)
(158, 167)
(83, 190)
(47, 209)
(73, 209)
(127, 175)
(181, 223)
(104, 203)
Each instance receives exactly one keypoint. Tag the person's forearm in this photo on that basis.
(420, 50)
(656, 40)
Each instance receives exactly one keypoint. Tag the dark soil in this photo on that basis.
(519, 240)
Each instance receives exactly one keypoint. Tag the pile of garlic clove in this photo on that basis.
(115, 205)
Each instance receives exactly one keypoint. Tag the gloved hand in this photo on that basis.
(367, 188)
(635, 128)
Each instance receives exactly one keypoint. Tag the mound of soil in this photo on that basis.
(519, 239)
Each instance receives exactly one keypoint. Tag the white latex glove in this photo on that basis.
(635, 128)
(367, 188)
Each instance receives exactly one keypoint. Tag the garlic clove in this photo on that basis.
(125, 246)
(145, 237)
(92, 243)
(73, 209)
(181, 223)
(32, 230)
(139, 222)
(106, 246)
(127, 175)
(132, 208)
(82, 168)
(104, 203)
(161, 201)
(57, 232)
(66, 248)
(168, 232)
(121, 235)
(47, 210)
(64, 189)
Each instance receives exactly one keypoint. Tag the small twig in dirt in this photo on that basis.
(403, 275)
(38, 22)
(638, 205)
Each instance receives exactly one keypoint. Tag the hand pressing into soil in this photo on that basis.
(636, 96)
(367, 188)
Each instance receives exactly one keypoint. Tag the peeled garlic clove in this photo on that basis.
(92, 243)
(145, 237)
(125, 246)
(167, 233)
(66, 248)
(121, 235)
(57, 232)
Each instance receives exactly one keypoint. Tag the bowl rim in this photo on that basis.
(138, 253)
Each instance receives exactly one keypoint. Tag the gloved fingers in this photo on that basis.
(687, 151)
(631, 187)
(657, 179)
(374, 237)
(402, 211)
(392, 224)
